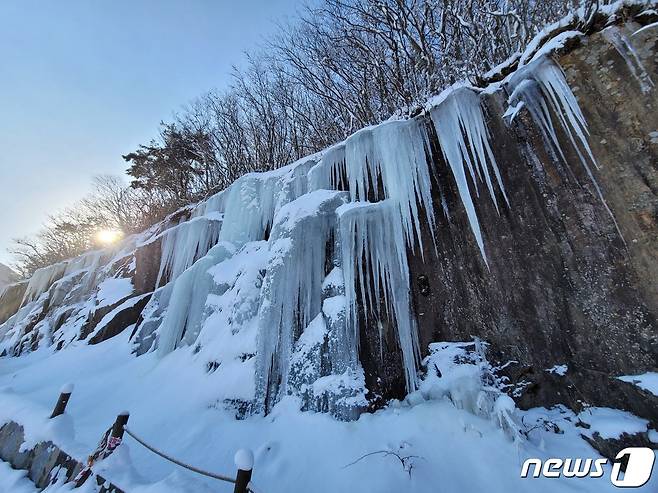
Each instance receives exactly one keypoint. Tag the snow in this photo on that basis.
(171, 408)
(14, 481)
(611, 423)
(113, 290)
(244, 459)
(556, 43)
(648, 381)
(560, 370)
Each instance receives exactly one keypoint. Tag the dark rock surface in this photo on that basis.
(561, 286)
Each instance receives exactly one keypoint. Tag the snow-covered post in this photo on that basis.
(64, 396)
(119, 423)
(244, 460)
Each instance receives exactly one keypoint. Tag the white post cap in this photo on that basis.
(66, 389)
(244, 459)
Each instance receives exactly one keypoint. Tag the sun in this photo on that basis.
(108, 236)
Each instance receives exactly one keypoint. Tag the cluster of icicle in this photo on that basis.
(386, 203)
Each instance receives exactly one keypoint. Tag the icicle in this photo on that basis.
(292, 288)
(464, 140)
(45, 277)
(212, 205)
(184, 244)
(387, 163)
(392, 155)
(543, 87)
(328, 172)
(187, 301)
(254, 198)
(616, 37)
(249, 206)
(374, 255)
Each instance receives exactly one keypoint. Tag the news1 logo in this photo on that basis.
(637, 473)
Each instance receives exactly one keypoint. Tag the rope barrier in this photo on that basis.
(177, 462)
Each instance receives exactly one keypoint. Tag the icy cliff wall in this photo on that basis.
(522, 214)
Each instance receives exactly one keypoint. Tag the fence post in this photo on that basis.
(64, 395)
(244, 460)
(119, 423)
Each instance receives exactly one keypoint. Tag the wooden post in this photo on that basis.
(119, 423)
(64, 396)
(244, 460)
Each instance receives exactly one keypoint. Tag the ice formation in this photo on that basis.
(616, 37)
(187, 300)
(464, 140)
(247, 209)
(544, 90)
(43, 278)
(292, 288)
(184, 244)
(460, 371)
(374, 255)
(389, 161)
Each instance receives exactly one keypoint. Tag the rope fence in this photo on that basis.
(244, 459)
(176, 461)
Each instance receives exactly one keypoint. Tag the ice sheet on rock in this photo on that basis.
(253, 199)
(647, 381)
(292, 288)
(334, 283)
(189, 291)
(184, 244)
(617, 38)
(544, 90)
(611, 423)
(464, 140)
(43, 278)
(374, 258)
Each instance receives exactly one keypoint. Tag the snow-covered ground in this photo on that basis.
(648, 381)
(419, 445)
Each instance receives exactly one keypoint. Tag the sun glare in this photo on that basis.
(108, 236)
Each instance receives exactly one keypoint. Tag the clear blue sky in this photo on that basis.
(84, 81)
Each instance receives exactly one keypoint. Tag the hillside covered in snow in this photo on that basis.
(420, 308)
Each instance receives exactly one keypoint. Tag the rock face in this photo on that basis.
(562, 285)
(564, 275)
